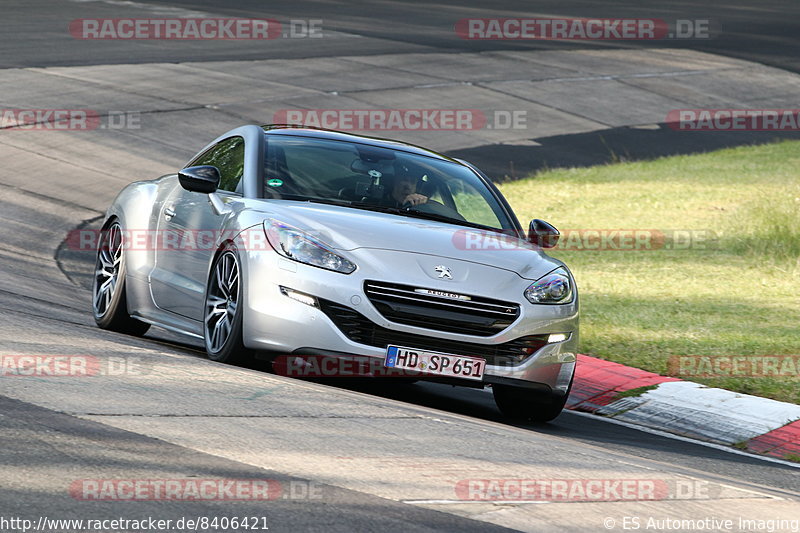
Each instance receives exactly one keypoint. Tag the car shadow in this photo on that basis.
(504, 162)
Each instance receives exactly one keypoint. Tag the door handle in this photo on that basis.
(169, 213)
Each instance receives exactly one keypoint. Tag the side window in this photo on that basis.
(473, 204)
(228, 157)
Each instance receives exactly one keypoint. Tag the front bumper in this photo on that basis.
(280, 325)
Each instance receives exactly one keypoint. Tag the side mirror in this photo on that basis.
(543, 234)
(203, 179)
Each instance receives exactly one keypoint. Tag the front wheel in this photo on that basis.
(528, 405)
(109, 299)
(222, 322)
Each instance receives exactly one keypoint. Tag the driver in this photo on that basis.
(404, 187)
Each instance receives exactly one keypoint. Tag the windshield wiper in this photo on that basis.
(377, 207)
(411, 212)
(318, 200)
(357, 205)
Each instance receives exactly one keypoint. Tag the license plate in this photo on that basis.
(435, 363)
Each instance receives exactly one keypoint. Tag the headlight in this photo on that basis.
(299, 246)
(554, 288)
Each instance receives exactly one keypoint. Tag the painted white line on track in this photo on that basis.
(681, 438)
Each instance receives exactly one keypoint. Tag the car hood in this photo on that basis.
(349, 229)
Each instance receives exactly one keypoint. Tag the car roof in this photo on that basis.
(320, 133)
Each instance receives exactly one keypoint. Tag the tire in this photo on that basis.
(222, 311)
(529, 405)
(109, 296)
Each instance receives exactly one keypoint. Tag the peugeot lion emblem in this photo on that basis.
(443, 271)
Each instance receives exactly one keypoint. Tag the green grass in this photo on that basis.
(737, 294)
(634, 393)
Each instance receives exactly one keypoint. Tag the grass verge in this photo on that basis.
(727, 285)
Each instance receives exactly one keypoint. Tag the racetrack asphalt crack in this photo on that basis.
(48, 302)
(35, 194)
(538, 102)
(119, 89)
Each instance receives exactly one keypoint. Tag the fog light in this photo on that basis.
(557, 337)
(301, 297)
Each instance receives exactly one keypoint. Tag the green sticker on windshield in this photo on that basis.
(275, 182)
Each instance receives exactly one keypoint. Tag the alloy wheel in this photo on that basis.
(107, 269)
(222, 300)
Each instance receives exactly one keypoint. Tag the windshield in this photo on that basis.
(368, 177)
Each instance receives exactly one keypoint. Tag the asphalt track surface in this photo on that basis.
(55, 433)
(764, 32)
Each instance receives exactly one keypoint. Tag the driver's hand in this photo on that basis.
(415, 199)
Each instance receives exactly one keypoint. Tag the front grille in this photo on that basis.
(453, 313)
(360, 329)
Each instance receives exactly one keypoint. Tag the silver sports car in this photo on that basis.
(304, 244)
